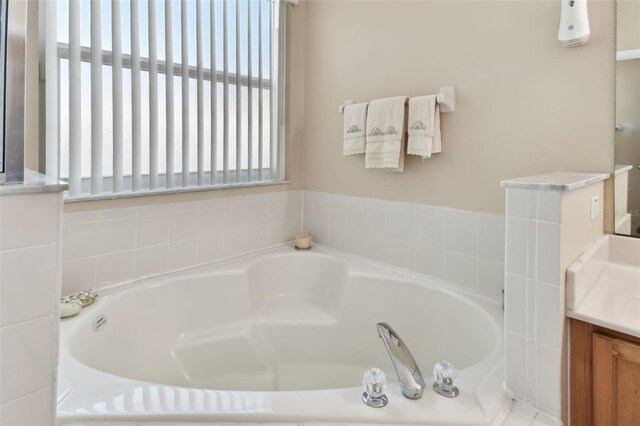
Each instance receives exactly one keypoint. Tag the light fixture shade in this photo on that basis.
(574, 23)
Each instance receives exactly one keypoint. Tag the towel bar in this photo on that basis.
(446, 99)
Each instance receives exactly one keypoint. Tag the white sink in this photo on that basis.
(603, 285)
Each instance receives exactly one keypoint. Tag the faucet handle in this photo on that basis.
(374, 383)
(446, 377)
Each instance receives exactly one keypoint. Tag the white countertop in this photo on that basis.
(603, 286)
(557, 181)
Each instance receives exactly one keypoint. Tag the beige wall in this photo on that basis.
(525, 105)
(628, 24)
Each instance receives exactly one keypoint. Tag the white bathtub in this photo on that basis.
(277, 336)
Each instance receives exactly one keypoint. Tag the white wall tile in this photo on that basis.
(26, 357)
(182, 254)
(430, 261)
(532, 245)
(515, 293)
(430, 211)
(321, 232)
(79, 274)
(532, 204)
(256, 216)
(29, 284)
(34, 409)
(402, 254)
(235, 242)
(516, 202)
(153, 210)
(28, 220)
(490, 220)
(548, 252)
(460, 269)
(516, 246)
(548, 318)
(115, 267)
(356, 242)
(378, 222)
(291, 227)
(531, 309)
(429, 231)
(152, 260)
(515, 356)
(459, 215)
(377, 248)
(531, 371)
(338, 237)
(549, 206)
(274, 234)
(402, 226)
(81, 217)
(184, 225)
(116, 235)
(209, 249)
(114, 214)
(357, 216)
(490, 242)
(322, 210)
(79, 240)
(460, 237)
(490, 277)
(152, 230)
(548, 378)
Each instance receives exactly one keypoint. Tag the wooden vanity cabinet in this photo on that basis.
(604, 376)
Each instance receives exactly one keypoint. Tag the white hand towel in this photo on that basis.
(424, 126)
(355, 122)
(386, 134)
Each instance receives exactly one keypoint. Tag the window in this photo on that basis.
(163, 95)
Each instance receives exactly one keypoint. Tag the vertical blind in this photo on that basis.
(163, 95)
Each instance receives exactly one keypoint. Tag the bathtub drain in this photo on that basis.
(99, 323)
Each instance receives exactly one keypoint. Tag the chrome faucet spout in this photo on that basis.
(411, 380)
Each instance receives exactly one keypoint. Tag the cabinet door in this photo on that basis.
(616, 382)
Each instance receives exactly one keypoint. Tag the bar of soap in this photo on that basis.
(69, 309)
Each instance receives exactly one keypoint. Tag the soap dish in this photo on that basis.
(85, 297)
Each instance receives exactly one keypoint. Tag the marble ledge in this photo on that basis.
(557, 181)
(620, 168)
(34, 183)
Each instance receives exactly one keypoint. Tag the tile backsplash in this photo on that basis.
(103, 247)
(465, 248)
(110, 246)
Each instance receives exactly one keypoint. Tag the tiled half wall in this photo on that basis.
(103, 247)
(109, 246)
(461, 247)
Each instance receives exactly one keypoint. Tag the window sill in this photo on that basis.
(164, 191)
